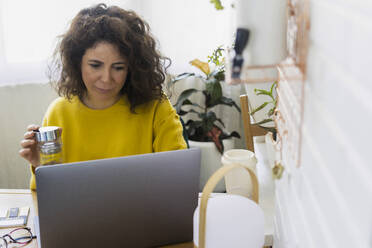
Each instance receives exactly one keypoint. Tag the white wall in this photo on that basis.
(327, 201)
(188, 29)
(20, 105)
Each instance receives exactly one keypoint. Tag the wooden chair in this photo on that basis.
(249, 130)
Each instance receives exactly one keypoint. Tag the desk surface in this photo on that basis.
(20, 197)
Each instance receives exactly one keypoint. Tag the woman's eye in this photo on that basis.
(95, 65)
(119, 68)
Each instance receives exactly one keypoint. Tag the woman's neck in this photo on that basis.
(99, 104)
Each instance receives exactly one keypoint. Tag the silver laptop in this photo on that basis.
(135, 201)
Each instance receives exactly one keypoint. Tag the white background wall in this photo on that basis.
(327, 202)
(185, 29)
(188, 29)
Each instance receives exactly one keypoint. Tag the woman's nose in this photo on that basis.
(106, 75)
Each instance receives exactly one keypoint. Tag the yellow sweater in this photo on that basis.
(89, 134)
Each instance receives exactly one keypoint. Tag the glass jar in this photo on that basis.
(49, 145)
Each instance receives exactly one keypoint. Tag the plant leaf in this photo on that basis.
(183, 97)
(208, 121)
(220, 121)
(272, 87)
(229, 102)
(220, 76)
(196, 112)
(214, 89)
(235, 134)
(203, 66)
(192, 127)
(271, 111)
(214, 135)
(180, 77)
(211, 117)
(259, 108)
(207, 98)
(217, 4)
(182, 112)
(188, 102)
(232, 134)
(213, 73)
(215, 58)
(262, 92)
(264, 121)
(183, 76)
(270, 129)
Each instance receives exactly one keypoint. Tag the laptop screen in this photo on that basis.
(135, 201)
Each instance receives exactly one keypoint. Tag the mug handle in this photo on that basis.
(209, 187)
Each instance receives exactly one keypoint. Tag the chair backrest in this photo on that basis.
(249, 130)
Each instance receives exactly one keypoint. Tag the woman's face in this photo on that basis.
(104, 72)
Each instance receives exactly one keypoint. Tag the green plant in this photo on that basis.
(206, 126)
(271, 103)
(217, 4)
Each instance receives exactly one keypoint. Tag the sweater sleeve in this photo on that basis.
(168, 130)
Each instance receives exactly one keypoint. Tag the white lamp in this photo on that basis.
(231, 220)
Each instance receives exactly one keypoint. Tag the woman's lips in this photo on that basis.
(104, 90)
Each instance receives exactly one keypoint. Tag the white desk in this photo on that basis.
(266, 191)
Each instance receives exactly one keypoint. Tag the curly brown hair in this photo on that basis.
(124, 29)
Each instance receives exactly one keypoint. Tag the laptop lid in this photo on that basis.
(135, 201)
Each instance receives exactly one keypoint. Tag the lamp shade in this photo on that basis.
(228, 220)
(232, 221)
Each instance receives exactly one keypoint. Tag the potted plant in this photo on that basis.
(271, 104)
(268, 122)
(204, 128)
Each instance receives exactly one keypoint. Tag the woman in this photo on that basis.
(110, 85)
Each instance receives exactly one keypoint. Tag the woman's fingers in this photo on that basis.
(30, 131)
(32, 127)
(30, 156)
(29, 135)
(27, 154)
(26, 143)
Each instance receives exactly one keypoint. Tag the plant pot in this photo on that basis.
(211, 161)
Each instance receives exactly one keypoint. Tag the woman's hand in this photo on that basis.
(29, 149)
